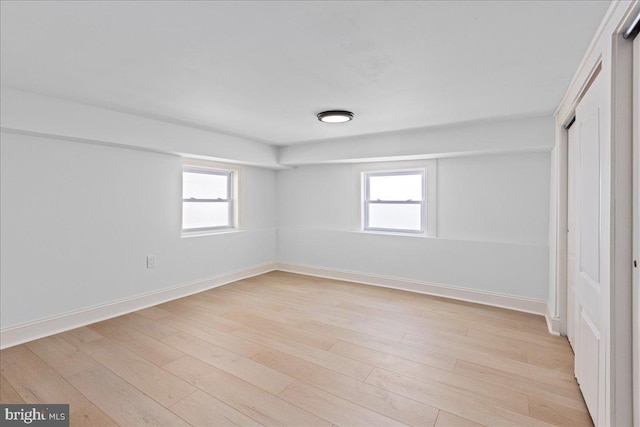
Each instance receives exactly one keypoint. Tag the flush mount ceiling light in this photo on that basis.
(335, 116)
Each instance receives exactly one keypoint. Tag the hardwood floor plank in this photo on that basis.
(151, 327)
(154, 312)
(225, 340)
(202, 410)
(392, 405)
(519, 334)
(289, 301)
(96, 345)
(405, 351)
(556, 414)
(271, 316)
(379, 309)
(326, 315)
(8, 394)
(566, 393)
(533, 343)
(137, 342)
(91, 417)
(153, 381)
(188, 307)
(243, 368)
(296, 334)
(366, 327)
(249, 300)
(193, 312)
(124, 403)
(263, 407)
(452, 343)
(446, 419)
(61, 356)
(332, 408)
(335, 362)
(471, 354)
(395, 325)
(80, 336)
(490, 393)
(199, 316)
(450, 400)
(37, 382)
(381, 359)
(461, 310)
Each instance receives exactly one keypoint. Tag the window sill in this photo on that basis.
(188, 234)
(391, 233)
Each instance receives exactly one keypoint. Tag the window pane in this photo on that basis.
(204, 186)
(202, 214)
(395, 187)
(394, 216)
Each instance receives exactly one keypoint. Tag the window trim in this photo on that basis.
(367, 201)
(231, 178)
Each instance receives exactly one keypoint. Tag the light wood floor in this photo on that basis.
(288, 350)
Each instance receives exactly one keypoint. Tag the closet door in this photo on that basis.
(592, 257)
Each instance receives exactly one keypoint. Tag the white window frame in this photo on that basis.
(233, 172)
(429, 198)
(368, 202)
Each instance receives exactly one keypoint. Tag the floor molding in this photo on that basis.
(553, 323)
(523, 304)
(30, 331)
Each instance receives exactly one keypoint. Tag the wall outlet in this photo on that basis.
(151, 261)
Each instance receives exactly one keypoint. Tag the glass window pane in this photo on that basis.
(394, 216)
(204, 186)
(395, 187)
(203, 214)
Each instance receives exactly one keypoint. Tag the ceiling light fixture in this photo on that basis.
(335, 116)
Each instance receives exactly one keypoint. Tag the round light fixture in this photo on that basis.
(335, 116)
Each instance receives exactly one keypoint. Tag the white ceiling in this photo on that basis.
(264, 69)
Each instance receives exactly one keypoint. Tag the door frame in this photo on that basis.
(612, 55)
(636, 233)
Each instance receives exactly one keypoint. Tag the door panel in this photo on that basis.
(589, 349)
(590, 194)
(572, 230)
(591, 292)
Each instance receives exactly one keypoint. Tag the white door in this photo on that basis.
(572, 229)
(592, 236)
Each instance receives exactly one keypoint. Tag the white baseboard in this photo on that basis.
(527, 305)
(553, 323)
(30, 331)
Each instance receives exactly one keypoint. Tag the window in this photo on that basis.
(207, 199)
(395, 201)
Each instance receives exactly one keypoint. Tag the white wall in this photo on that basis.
(78, 220)
(501, 198)
(493, 215)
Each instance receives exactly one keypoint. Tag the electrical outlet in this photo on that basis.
(151, 261)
